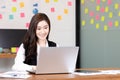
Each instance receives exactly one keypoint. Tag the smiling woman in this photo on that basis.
(36, 36)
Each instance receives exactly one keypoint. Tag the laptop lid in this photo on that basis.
(56, 60)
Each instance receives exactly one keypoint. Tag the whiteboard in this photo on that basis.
(16, 14)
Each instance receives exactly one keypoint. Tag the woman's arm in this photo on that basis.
(19, 64)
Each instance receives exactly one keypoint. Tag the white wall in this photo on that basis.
(62, 30)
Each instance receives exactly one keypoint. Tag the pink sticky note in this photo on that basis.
(14, 0)
(22, 15)
(98, 2)
(102, 9)
(91, 13)
(52, 9)
(97, 17)
(69, 3)
(110, 24)
(0, 16)
(27, 25)
(109, 2)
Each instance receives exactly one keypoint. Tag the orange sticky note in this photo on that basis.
(21, 4)
(47, 1)
(59, 17)
(66, 11)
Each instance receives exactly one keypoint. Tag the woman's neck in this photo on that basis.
(42, 43)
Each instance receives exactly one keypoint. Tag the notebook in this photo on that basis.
(56, 60)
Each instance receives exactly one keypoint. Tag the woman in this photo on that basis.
(36, 37)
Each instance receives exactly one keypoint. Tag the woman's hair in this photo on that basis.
(30, 38)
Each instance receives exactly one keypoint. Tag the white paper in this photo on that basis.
(100, 72)
(14, 74)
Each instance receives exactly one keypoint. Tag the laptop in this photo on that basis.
(53, 60)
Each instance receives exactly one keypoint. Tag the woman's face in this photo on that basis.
(42, 30)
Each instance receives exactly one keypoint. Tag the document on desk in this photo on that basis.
(100, 72)
(14, 74)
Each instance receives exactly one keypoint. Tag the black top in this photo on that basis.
(33, 60)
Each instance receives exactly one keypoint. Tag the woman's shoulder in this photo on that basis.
(51, 43)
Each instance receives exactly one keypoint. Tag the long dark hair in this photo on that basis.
(30, 39)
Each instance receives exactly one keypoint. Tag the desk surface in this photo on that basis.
(73, 76)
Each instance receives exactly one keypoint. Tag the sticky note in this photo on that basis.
(83, 22)
(119, 13)
(106, 9)
(92, 0)
(109, 2)
(97, 17)
(69, 3)
(97, 2)
(55, 0)
(59, 17)
(47, 1)
(86, 10)
(22, 15)
(1, 16)
(14, 0)
(14, 9)
(66, 11)
(91, 13)
(97, 26)
(103, 0)
(105, 27)
(13, 49)
(11, 17)
(110, 14)
(82, 1)
(97, 8)
(116, 6)
(102, 18)
(27, 25)
(116, 23)
(102, 9)
(92, 21)
(21, 4)
(52, 9)
(110, 24)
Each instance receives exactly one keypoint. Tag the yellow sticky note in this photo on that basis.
(66, 11)
(102, 18)
(106, 9)
(116, 23)
(97, 8)
(119, 13)
(116, 6)
(21, 4)
(92, 0)
(110, 14)
(83, 22)
(103, 0)
(97, 26)
(92, 21)
(55, 0)
(13, 49)
(82, 1)
(105, 27)
(86, 10)
(59, 17)
(14, 9)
